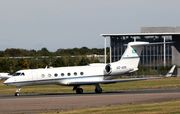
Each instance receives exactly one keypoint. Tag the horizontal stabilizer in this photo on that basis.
(147, 43)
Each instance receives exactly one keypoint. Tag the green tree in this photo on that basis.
(41, 65)
(70, 61)
(83, 61)
(45, 62)
(43, 52)
(22, 64)
(12, 52)
(33, 64)
(4, 65)
(60, 62)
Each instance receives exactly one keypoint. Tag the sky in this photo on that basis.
(54, 24)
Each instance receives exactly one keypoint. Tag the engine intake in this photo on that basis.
(108, 68)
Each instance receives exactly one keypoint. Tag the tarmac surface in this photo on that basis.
(38, 103)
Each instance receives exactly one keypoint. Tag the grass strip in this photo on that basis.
(153, 108)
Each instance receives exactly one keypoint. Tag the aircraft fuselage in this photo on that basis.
(63, 75)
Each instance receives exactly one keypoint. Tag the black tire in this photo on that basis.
(79, 90)
(98, 91)
(17, 94)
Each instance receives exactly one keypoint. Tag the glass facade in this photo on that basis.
(152, 56)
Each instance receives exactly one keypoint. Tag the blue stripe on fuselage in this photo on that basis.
(54, 79)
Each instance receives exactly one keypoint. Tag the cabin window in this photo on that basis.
(49, 75)
(75, 73)
(62, 74)
(42, 75)
(81, 73)
(55, 74)
(68, 74)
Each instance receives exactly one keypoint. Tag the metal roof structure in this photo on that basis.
(139, 34)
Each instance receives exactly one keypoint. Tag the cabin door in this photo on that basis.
(34, 76)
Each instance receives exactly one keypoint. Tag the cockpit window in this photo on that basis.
(17, 74)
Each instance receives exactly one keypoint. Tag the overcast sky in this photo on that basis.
(54, 24)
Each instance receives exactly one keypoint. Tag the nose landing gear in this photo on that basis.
(17, 91)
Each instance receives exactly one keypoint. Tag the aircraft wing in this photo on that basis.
(110, 81)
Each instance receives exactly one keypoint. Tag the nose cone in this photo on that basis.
(9, 81)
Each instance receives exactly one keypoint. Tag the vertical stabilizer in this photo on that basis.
(169, 74)
(132, 53)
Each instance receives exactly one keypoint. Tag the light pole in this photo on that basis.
(164, 52)
(105, 49)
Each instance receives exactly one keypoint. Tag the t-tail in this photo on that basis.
(132, 54)
(128, 62)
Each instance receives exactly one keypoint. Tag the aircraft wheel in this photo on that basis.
(98, 91)
(79, 90)
(17, 94)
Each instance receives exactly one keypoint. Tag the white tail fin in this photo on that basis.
(169, 74)
(132, 53)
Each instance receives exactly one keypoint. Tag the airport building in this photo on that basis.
(154, 55)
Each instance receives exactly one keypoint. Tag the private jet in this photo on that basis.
(5, 76)
(92, 74)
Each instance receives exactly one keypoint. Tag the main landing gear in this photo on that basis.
(17, 91)
(98, 89)
(78, 90)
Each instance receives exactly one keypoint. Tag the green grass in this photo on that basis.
(153, 108)
(165, 83)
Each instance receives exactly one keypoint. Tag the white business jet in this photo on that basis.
(93, 74)
(4, 76)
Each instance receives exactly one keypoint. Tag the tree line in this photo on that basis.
(13, 52)
(43, 58)
(12, 65)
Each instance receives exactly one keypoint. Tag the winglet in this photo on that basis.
(169, 74)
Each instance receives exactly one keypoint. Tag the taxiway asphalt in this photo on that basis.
(33, 103)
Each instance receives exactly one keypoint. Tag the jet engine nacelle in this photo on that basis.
(118, 68)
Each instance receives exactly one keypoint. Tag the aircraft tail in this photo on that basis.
(169, 74)
(132, 53)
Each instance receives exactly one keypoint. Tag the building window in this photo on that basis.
(62, 74)
(55, 74)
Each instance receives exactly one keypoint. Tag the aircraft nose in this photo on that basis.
(9, 81)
